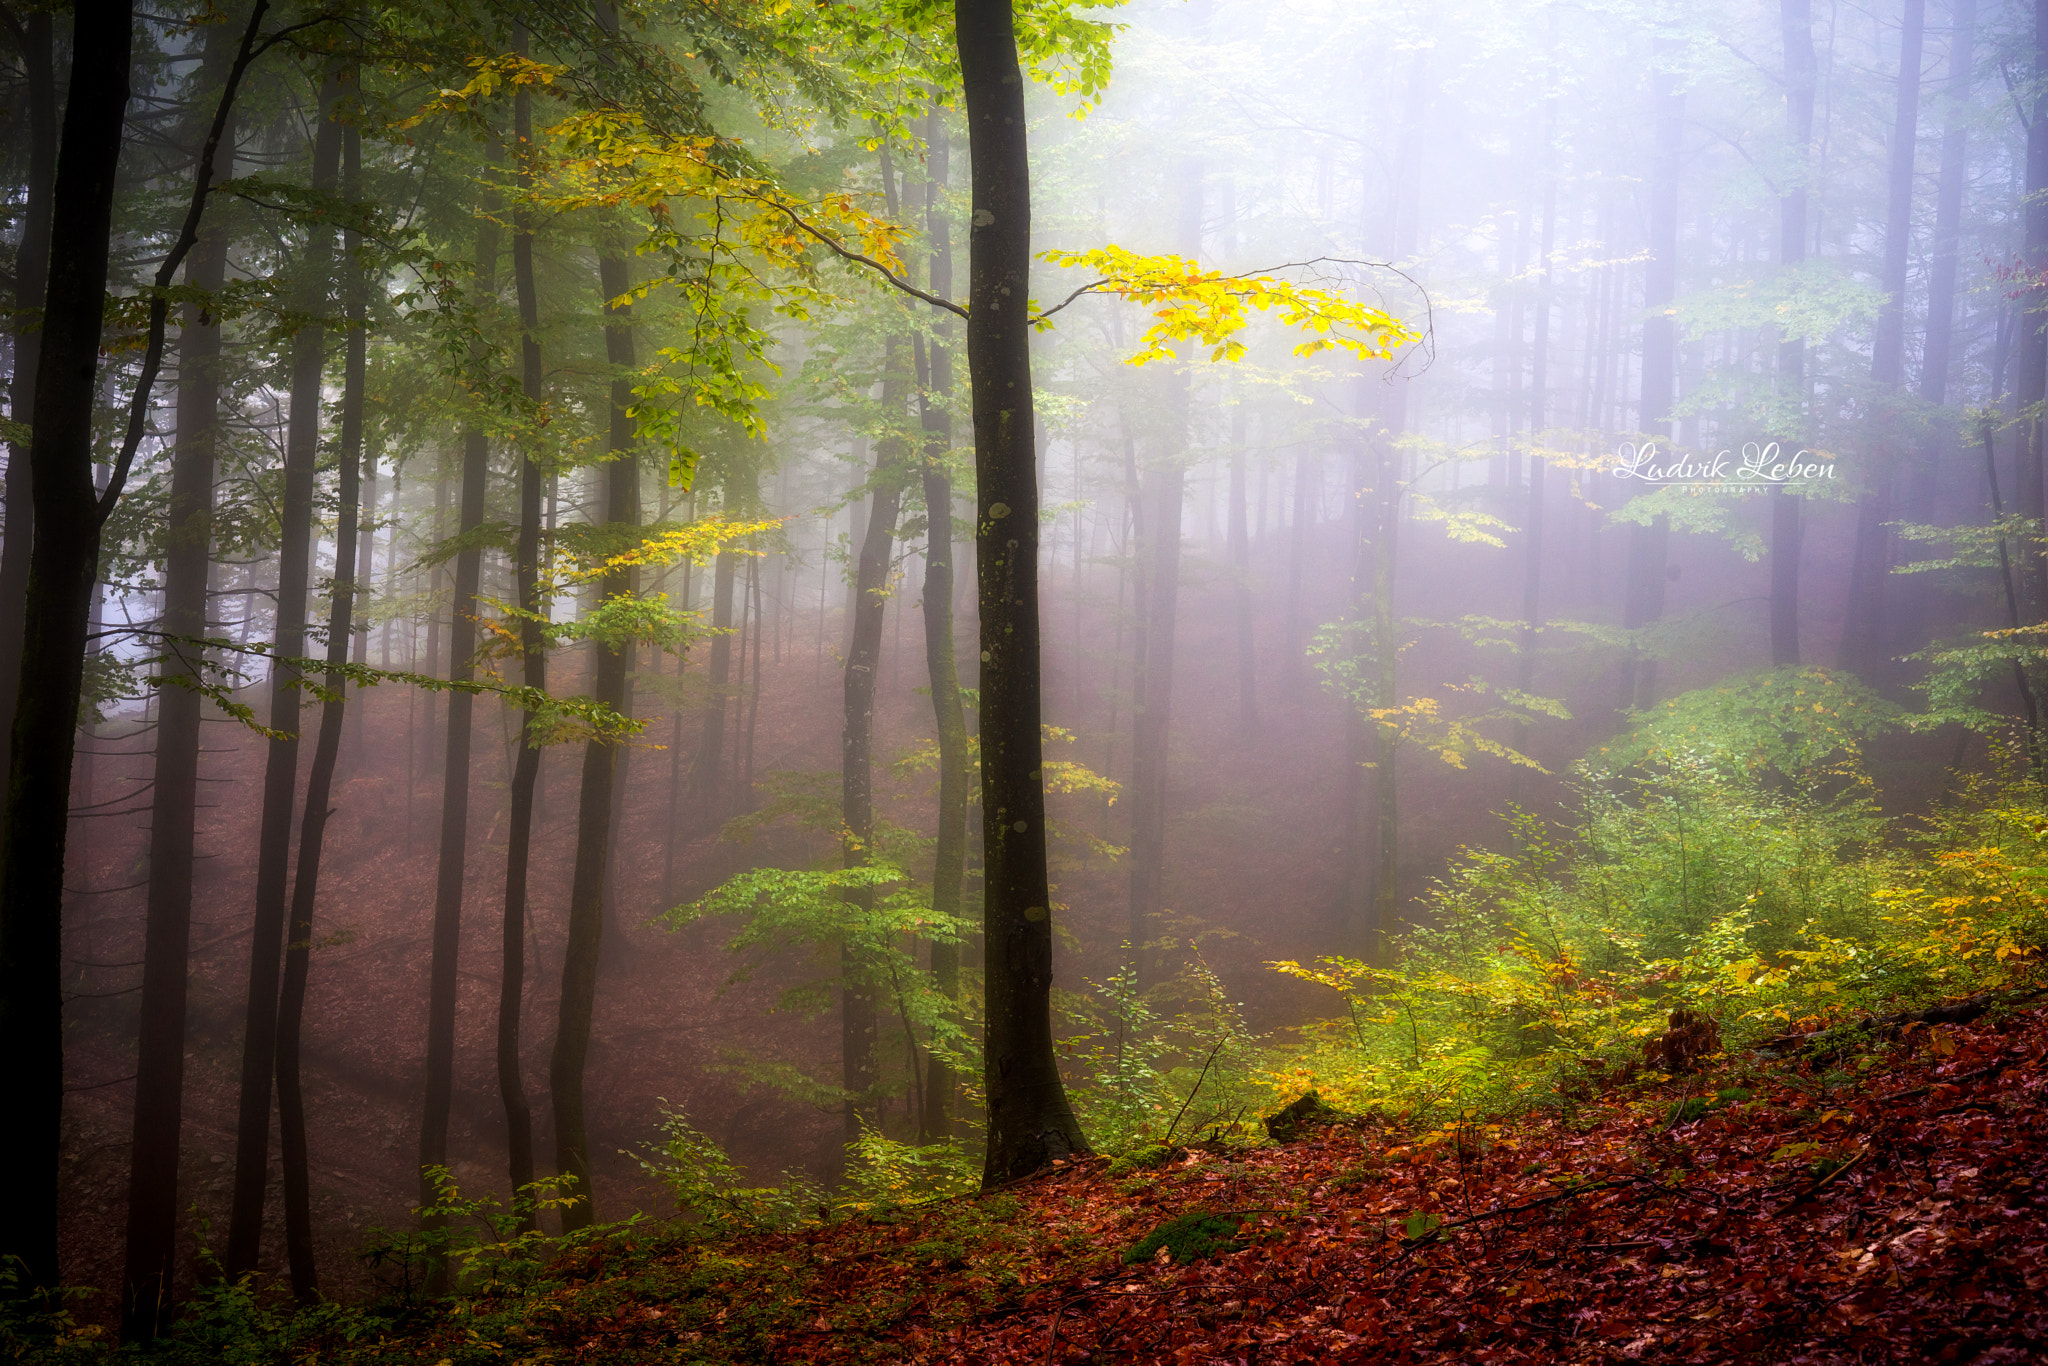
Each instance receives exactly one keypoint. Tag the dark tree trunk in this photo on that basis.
(1030, 1122)
(298, 956)
(148, 1282)
(949, 846)
(281, 769)
(1647, 542)
(31, 280)
(519, 1156)
(62, 567)
(452, 856)
(595, 813)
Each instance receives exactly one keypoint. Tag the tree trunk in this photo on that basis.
(1647, 542)
(1948, 206)
(1241, 580)
(281, 770)
(949, 846)
(707, 770)
(62, 568)
(523, 796)
(291, 1104)
(600, 757)
(1030, 1122)
(148, 1281)
(31, 280)
(1862, 648)
(859, 1069)
(452, 857)
(1165, 488)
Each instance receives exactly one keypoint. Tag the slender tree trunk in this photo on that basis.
(1789, 425)
(1241, 580)
(949, 846)
(1165, 487)
(281, 770)
(523, 797)
(291, 1104)
(707, 775)
(31, 280)
(1647, 542)
(595, 813)
(1948, 205)
(2032, 379)
(1862, 648)
(452, 856)
(859, 1069)
(1030, 1122)
(148, 1282)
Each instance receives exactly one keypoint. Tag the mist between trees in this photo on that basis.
(1507, 513)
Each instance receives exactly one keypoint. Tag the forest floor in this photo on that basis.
(1875, 1198)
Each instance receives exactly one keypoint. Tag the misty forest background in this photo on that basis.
(547, 350)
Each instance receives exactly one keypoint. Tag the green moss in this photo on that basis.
(1140, 1159)
(1190, 1237)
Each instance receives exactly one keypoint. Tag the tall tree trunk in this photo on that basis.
(595, 813)
(281, 769)
(298, 959)
(949, 846)
(2032, 379)
(1030, 1122)
(1862, 648)
(1647, 542)
(1948, 205)
(62, 567)
(859, 1068)
(1532, 523)
(707, 770)
(1165, 490)
(452, 856)
(1789, 417)
(523, 797)
(31, 280)
(148, 1281)
(1241, 580)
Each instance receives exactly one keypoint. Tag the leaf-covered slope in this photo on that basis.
(1888, 1205)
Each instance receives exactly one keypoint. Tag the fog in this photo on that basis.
(1700, 344)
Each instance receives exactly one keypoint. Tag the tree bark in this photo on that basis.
(595, 813)
(148, 1280)
(298, 959)
(1030, 1122)
(62, 567)
(31, 280)
(519, 1155)
(281, 769)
